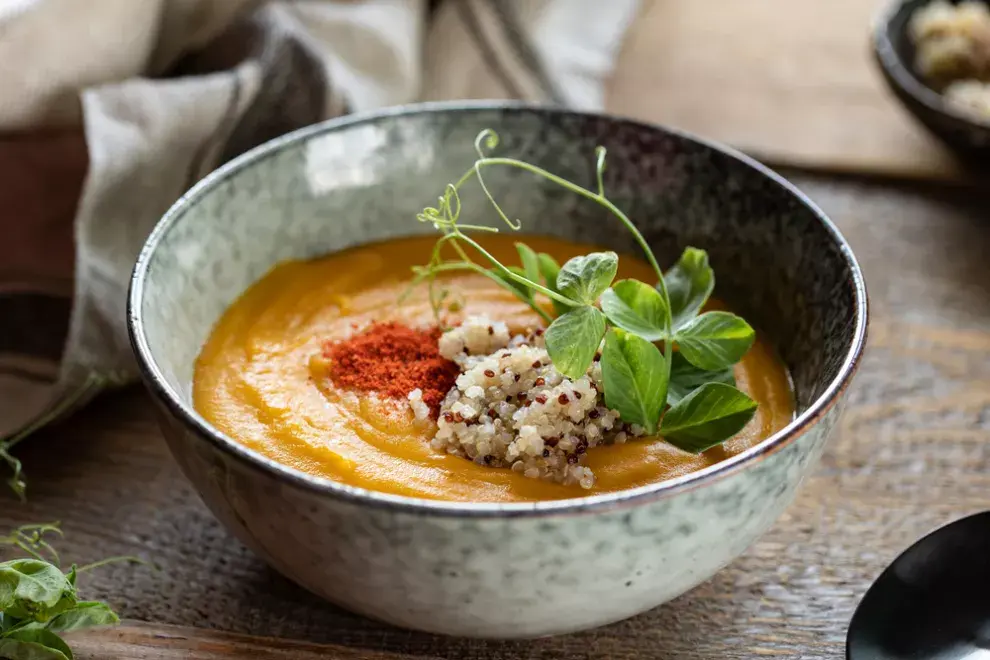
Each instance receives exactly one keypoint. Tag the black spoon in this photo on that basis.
(933, 602)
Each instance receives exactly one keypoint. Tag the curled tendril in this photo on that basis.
(429, 214)
(445, 214)
(453, 211)
(31, 540)
(600, 169)
(16, 480)
(514, 225)
(487, 139)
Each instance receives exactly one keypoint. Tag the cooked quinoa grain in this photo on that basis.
(511, 408)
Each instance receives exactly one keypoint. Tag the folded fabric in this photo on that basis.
(166, 90)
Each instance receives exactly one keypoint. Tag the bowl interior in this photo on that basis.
(777, 260)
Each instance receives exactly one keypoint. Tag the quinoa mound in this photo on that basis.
(510, 407)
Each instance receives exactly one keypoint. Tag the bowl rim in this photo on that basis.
(160, 388)
(902, 74)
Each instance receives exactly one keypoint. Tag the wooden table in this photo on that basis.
(911, 455)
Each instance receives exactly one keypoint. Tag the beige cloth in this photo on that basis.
(166, 90)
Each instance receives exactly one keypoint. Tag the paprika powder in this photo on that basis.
(393, 360)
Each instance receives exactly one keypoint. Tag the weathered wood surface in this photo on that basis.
(911, 455)
(150, 641)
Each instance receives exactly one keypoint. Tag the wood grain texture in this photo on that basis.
(911, 455)
(146, 641)
(791, 81)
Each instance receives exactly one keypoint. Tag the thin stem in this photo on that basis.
(519, 278)
(114, 560)
(600, 170)
(457, 265)
(584, 192)
(461, 253)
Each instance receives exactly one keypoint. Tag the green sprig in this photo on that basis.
(39, 602)
(696, 405)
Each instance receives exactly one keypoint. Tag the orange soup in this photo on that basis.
(253, 380)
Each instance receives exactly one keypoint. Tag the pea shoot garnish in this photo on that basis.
(39, 602)
(666, 364)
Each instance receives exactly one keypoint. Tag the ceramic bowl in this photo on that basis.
(499, 570)
(894, 54)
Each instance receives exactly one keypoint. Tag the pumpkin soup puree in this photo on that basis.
(253, 380)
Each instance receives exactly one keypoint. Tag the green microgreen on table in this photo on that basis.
(39, 602)
(666, 364)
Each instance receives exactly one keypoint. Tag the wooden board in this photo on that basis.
(910, 455)
(134, 640)
(789, 81)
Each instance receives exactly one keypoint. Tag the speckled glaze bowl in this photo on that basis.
(499, 570)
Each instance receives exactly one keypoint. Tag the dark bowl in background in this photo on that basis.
(894, 54)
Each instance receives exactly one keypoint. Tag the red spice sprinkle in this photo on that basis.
(540, 398)
(537, 364)
(562, 399)
(539, 381)
(393, 359)
(576, 393)
(489, 373)
(491, 330)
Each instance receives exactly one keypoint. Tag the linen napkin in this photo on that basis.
(166, 90)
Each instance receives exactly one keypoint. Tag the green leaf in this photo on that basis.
(584, 278)
(549, 268)
(573, 339)
(636, 307)
(709, 416)
(686, 378)
(34, 589)
(34, 644)
(715, 340)
(689, 284)
(635, 378)
(86, 614)
(530, 262)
